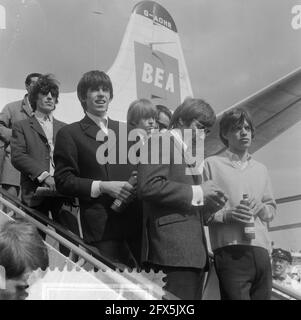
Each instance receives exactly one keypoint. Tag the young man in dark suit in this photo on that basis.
(173, 195)
(32, 146)
(80, 172)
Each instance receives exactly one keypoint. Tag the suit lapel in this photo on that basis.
(57, 125)
(37, 127)
(186, 160)
(113, 126)
(89, 127)
(26, 107)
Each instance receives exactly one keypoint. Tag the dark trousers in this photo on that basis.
(181, 282)
(117, 252)
(244, 272)
(53, 205)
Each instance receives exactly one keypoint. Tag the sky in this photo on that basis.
(232, 49)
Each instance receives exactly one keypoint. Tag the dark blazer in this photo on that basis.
(76, 167)
(173, 228)
(31, 154)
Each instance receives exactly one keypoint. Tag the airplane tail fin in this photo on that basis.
(150, 62)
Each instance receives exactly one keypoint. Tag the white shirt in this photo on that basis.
(102, 123)
(237, 162)
(46, 122)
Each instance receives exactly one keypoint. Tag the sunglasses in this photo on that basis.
(45, 92)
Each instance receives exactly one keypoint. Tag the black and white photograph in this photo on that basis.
(150, 150)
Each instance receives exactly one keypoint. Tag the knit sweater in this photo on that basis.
(235, 180)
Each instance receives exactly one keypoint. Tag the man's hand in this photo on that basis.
(240, 213)
(256, 206)
(213, 196)
(121, 190)
(49, 183)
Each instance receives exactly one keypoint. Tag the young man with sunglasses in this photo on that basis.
(32, 146)
(173, 198)
(242, 262)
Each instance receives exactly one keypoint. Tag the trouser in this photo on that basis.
(181, 282)
(244, 272)
(117, 252)
(53, 205)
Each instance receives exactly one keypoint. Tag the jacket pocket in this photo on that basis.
(171, 218)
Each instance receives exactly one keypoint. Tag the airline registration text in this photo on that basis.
(157, 19)
(157, 75)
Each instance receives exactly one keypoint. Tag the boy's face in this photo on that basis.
(239, 138)
(147, 124)
(97, 101)
(46, 102)
(15, 289)
(279, 267)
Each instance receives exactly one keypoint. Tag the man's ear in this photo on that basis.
(181, 121)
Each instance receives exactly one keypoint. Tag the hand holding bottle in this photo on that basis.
(241, 213)
(255, 205)
(249, 228)
(119, 205)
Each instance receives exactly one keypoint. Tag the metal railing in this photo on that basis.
(281, 292)
(88, 253)
(288, 199)
(284, 293)
(92, 256)
(69, 239)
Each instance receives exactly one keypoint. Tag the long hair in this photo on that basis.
(93, 80)
(140, 109)
(21, 248)
(231, 120)
(45, 84)
(192, 109)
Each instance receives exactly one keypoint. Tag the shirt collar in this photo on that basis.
(26, 100)
(234, 157)
(43, 117)
(100, 121)
(26, 104)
